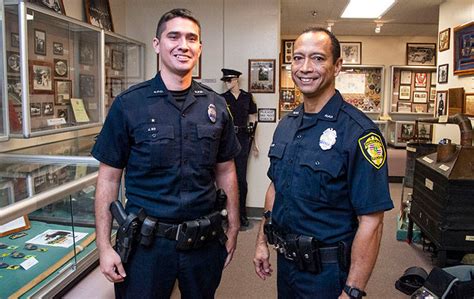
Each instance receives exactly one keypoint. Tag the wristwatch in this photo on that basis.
(267, 214)
(354, 293)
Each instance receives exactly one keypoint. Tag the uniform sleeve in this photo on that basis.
(229, 145)
(112, 145)
(253, 106)
(368, 174)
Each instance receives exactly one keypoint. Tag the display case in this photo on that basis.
(383, 127)
(3, 98)
(413, 91)
(400, 132)
(54, 71)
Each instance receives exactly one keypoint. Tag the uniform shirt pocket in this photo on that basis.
(208, 139)
(155, 146)
(276, 152)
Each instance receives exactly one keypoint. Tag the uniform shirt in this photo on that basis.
(169, 152)
(327, 168)
(240, 107)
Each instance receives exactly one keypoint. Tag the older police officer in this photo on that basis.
(329, 184)
(175, 139)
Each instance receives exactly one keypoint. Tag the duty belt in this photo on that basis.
(240, 129)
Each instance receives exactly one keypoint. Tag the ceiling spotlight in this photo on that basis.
(378, 27)
(314, 13)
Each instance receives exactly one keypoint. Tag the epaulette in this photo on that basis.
(205, 86)
(358, 116)
(136, 87)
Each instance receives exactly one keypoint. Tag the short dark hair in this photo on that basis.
(175, 13)
(336, 46)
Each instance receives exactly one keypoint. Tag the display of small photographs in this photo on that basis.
(433, 94)
(40, 42)
(15, 40)
(41, 77)
(421, 79)
(118, 60)
(116, 86)
(419, 108)
(404, 107)
(420, 97)
(86, 86)
(405, 92)
(14, 90)
(86, 53)
(443, 73)
(62, 113)
(405, 77)
(60, 68)
(48, 108)
(13, 62)
(35, 109)
(58, 48)
(63, 90)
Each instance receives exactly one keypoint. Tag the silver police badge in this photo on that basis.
(327, 139)
(211, 112)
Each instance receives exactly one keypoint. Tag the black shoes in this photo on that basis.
(244, 221)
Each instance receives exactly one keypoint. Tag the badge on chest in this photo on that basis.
(211, 112)
(327, 139)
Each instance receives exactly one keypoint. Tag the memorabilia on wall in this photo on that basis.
(40, 42)
(41, 77)
(13, 62)
(14, 90)
(98, 14)
(266, 115)
(407, 131)
(63, 90)
(86, 86)
(431, 107)
(420, 97)
(118, 60)
(419, 108)
(463, 49)
(55, 5)
(60, 68)
(456, 100)
(287, 95)
(107, 55)
(35, 109)
(15, 40)
(433, 94)
(421, 54)
(424, 131)
(58, 48)
(197, 69)
(47, 108)
(405, 77)
(351, 52)
(86, 53)
(116, 86)
(441, 102)
(79, 110)
(469, 104)
(404, 107)
(443, 73)
(433, 78)
(62, 113)
(420, 79)
(444, 40)
(288, 50)
(405, 92)
(262, 75)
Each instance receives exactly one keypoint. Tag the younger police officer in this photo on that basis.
(329, 186)
(175, 139)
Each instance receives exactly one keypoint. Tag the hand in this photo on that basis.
(263, 268)
(111, 265)
(230, 245)
(344, 296)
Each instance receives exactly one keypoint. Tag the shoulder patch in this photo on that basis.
(373, 149)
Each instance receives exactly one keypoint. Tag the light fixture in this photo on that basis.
(367, 9)
(314, 13)
(329, 26)
(378, 27)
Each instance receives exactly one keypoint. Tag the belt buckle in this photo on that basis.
(178, 231)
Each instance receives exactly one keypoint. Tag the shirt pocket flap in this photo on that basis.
(276, 150)
(204, 131)
(154, 132)
(329, 163)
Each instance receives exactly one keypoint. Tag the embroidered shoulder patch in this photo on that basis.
(372, 148)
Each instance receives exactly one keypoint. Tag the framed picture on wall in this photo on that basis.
(405, 92)
(58, 49)
(419, 108)
(63, 92)
(47, 108)
(288, 50)
(98, 14)
(60, 68)
(86, 53)
(13, 62)
(443, 73)
(456, 100)
(40, 42)
(116, 86)
(41, 77)
(405, 77)
(118, 60)
(86, 86)
(469, 104)
(421, 79)
(55, 5)
(421, 54)
(444, 40)
(463, 49)
(197, 69)
(15, 40)
(441, 102)
(404, 107)
(351, 52)
(262, 75)
(420, 97)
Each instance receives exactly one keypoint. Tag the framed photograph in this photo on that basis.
(287, 95)
(47, 108)
(456, 100)
(40, 42)
(351, 52)
(86, 53)
(262, 75)
(63, 93)
(405, 92)
(404, 107)
(86, 86)
(444, 40)
(421, 79)
(469, 104)
(433, 78)
(464, 49)
(58, 49)
(107, 55)
(441, 102)
(116, 86)
(98, 14)
(118, 60)
(421, 54)
(14, 226)
(407, 131)
(424, 131)
(14, 90)
(41, 77)
(55, 5)
(35, 109)
(267, 115)
(431, 107)
(197, 69)
(13, 62)
(15, 40)
(420, 97)
(62, 113)
(443, 73)
(432, 94)
(405, 77)
(60, 68)
(419, 108)
(288, 46)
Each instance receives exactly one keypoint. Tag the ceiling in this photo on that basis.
(406, 17)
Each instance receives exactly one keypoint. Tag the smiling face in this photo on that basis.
(179, 47)
(313, 68)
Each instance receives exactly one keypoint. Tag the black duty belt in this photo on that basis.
(240, 129)
(168, 231)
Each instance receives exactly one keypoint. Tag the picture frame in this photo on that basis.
(17, 225)
(468, 108)
(14, 90)
(40, 42)
(58, 49)
(118, 60)
(287, 95)
(420, 97)
(407, 131)
(86, 53)
(421, 54)
(41, 77)
(433, 78)
(443, 41)
(441, 102)
(405, 77)
(47, 108)
(463, 50)
(107, 55)
(431, 106)
(288, 47)
(63, 113)
(424, 131)
(266, 115)
(456, 100)
(262, 75)
(86, 86)
(351, 52)
(116, 86)
(61, 68)
(63, 92)
(14, 40)
(13, 62)
(98, 14)
(433, 93)
(419, 108)
(443, 71)
(35, 109)
(197, 69)
(54, 5)
(421, 79)
(404, 92)
(404, 107)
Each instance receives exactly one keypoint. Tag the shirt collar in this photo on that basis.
(329, 112)
(158, 88)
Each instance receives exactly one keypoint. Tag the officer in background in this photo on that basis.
(329, 184)
(175, 139)
(244, 114)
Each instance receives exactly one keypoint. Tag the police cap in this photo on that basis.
(229, 74)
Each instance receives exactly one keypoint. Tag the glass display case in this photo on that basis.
(3, 95)
(54, 74)
(400, 132)
(413, 90)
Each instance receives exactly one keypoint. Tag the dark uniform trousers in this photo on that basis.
(241, 167)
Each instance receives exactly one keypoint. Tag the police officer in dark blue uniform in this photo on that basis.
(329, 185)
(244, 114)
(175, 139)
